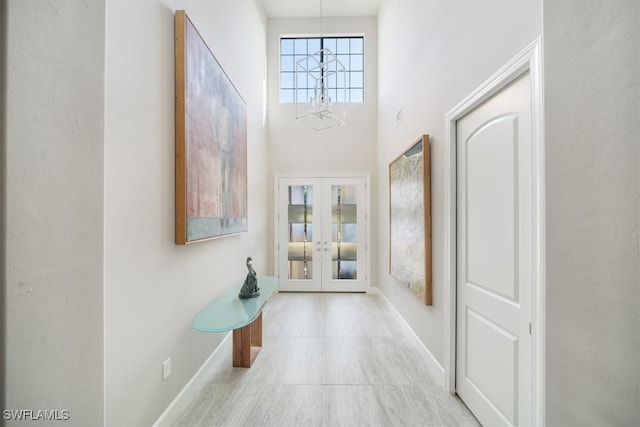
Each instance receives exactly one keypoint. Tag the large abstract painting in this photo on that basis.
(211, 143)
(410, 218)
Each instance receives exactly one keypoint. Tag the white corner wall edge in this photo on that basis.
(190, 392)
(374, 290)
(529, 59)
(436, 370)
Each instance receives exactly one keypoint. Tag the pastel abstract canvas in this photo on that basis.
(211, 143)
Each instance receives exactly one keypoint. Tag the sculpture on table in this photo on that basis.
(250, 287)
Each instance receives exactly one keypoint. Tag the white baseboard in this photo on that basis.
(218, 362)
(435, 368)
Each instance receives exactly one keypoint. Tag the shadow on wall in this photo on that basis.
(3, 197)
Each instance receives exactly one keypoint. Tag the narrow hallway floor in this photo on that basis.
(328, 360)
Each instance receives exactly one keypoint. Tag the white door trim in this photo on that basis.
(367, 201)
(530, 59)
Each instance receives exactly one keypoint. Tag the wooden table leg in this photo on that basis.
(247, 343)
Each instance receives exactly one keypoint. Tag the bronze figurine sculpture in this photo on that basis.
(250, 287)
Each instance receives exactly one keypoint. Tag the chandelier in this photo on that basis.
(326, 80)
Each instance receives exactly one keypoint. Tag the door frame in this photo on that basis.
(367, 218)
(529, 60)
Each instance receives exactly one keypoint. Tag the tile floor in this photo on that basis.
(328, 360)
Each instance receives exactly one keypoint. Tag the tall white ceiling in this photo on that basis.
(311, 8)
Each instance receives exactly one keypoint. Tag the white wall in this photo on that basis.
(431, 55)
(54, 208)
(3, 191)
(295, 148)
(348, 148)
(592, 77)
(153, 288)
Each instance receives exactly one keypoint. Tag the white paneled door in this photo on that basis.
(494, 259)
(322, 234)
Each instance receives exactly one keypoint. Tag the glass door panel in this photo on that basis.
(299, 224)
(300, 233)
(344, 231)
(344, 227)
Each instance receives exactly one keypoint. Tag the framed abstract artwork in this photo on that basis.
(211, 142)
(410, 219)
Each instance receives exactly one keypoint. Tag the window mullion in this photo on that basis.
(322, 74)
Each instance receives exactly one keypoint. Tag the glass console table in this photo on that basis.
(242, 316)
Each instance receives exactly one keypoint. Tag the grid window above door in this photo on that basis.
(297, 86)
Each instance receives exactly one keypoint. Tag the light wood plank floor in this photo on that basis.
(329, 360)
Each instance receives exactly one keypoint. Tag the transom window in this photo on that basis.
(297, 86)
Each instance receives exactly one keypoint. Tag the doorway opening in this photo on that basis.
(456, 243)
(322, 232)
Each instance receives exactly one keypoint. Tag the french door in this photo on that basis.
(322, 234)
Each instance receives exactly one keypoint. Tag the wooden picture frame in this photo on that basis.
(410, 219)
(210, 143)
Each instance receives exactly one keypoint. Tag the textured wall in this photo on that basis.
(592, 77)
(54, 207)
(431, 55)
(154, 288)
(3, 180)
